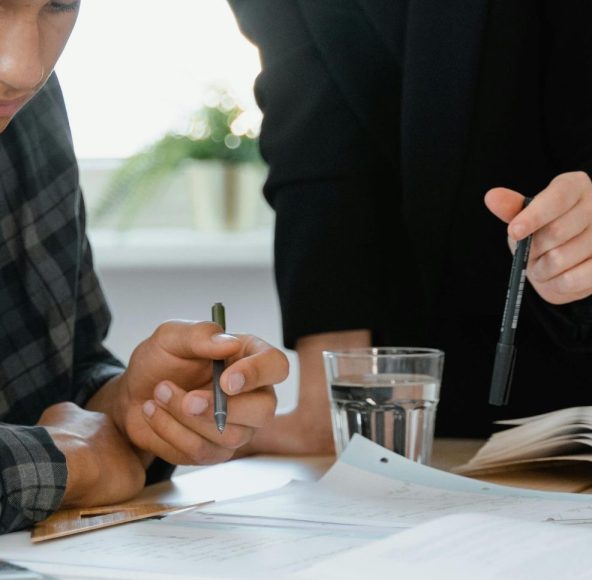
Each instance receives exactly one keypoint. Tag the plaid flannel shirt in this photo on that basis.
(53, 316)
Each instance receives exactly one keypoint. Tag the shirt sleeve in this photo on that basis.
(94, 364)
(32, 476)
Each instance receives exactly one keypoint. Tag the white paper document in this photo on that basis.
(467, 547)
(371, 486)
(186, 549)
(367, 496)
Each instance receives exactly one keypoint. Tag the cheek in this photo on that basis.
(54, 37)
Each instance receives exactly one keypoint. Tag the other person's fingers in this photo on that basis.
(561, 258)
(504, 203)
(559, 197)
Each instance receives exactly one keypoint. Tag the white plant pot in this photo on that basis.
(225, 196)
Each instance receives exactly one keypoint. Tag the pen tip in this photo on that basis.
(220, 426)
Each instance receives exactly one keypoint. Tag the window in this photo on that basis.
(134, 69)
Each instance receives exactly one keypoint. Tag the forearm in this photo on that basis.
(110, 400)
(307, 429)
(313, 390)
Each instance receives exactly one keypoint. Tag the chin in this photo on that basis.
(4, 122)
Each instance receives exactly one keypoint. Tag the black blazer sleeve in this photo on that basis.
(335, 191)
(568, 124)
(325, 176)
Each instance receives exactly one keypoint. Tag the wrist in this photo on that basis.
(81, 464)
(110, 399)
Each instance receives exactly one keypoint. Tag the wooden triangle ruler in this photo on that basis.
(75, 521)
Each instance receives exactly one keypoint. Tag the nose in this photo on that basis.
(21, 62)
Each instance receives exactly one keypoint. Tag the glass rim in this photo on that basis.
(385, 352)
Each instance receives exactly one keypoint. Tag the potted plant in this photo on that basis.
(220, 166)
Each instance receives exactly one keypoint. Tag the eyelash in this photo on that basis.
(58, 7)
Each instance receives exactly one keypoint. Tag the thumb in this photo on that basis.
(504, 203)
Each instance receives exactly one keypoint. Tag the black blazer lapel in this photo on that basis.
(358, 66)
(441, 56)
(442, 50)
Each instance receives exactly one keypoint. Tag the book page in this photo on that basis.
(543, 440)
(569, 414)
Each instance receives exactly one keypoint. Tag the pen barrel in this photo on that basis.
(220, 409)
(505, 356)
(515, 291)
(219, 395)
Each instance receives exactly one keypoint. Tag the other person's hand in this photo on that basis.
(164, 400)
(560, 219)
(102, 466)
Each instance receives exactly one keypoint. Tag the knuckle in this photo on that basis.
(157, 422)
(65, 407)
(235, 437)
(554, 231)
(580, 176)
(251, 374)
(570, 177)
(197, 452)
(162, 329)
(283, 365)
(205, 325)
(566, 283)
(201, 452)
(267, 405)
(138, 476)
(215, 455)
(554, 260)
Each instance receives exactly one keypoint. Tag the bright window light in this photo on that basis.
(134, 69)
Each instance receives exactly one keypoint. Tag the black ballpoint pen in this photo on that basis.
(505, 353)
(219, 317)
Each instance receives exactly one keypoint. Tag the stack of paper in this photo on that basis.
(373, 487)
(392, 514)
(467, 547)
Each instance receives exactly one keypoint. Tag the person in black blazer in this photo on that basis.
(385, 123)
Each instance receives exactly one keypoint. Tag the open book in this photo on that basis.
(554, 448)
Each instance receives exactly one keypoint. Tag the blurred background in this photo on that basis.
(165, 129)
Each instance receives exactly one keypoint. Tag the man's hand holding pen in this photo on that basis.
(164, 400)
(560, 221)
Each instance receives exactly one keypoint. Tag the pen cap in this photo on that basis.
(219, 315)
(505, 356)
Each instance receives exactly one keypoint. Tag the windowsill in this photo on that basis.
(181, 248)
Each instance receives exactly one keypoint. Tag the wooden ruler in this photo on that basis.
(75, 521)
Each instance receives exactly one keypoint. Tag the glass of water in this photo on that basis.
(388, 395)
